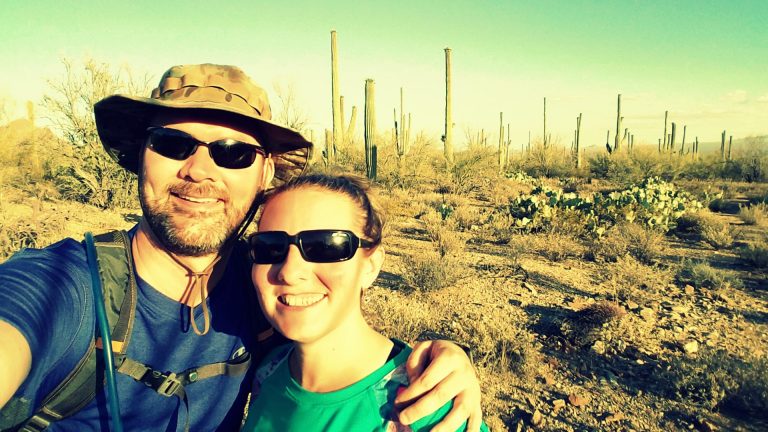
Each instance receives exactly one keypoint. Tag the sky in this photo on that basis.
(706, 62)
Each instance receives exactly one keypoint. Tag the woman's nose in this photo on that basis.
(294, 269)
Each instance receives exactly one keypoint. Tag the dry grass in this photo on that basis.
(705, 227)
(756, 214)
(755, 253)
(646, 245)
(702, 275)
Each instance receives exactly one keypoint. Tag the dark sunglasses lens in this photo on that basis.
(326, 246)
(174, 145)
(233, 154)
(269, 247)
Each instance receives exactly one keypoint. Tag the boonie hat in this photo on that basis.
(219, 91)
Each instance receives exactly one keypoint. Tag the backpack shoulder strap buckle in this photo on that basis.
(167, 385)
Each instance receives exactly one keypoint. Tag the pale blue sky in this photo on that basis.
(704, 61)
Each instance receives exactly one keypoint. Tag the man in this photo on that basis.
(204, 150)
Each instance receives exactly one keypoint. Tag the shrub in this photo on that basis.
(646, 245)
(707, 228)
(755, 254)
(719, 380)
(756, 214)
(430, 272)
(702, 275)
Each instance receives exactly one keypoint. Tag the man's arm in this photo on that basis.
(438, 372)
(15, 361)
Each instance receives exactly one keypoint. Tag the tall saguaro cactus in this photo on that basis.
(617, 141)
(502, 144)
(722, 146)
(666, 115)
(370, 130)
(545, 122)
(577, 152)
(448, 137)
(672, 138)
(336, 101)
(730, 141)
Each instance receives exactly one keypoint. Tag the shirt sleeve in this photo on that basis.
(46, 295)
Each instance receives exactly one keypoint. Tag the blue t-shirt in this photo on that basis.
(47, 295)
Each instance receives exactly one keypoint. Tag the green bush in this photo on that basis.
(702, 275)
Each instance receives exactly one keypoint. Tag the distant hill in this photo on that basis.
(739, 145)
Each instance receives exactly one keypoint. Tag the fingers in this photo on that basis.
(454, 419)
(426, 404)
(425, 370)
(418, 360)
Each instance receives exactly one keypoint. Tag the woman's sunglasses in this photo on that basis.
(317, 246)
(226, 153)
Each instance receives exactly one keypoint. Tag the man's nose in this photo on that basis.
(199, 166)
(294, 269)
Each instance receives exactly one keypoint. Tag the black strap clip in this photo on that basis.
(166, 384)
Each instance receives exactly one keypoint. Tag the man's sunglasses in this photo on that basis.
(317, 246)
(226, 153)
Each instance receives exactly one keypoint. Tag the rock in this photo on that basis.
(632, 305)
(557, 405)
(519, 426)
(648, 314)
(691, 347)
(681, 309)
(578, 400)
(530, 288)
(613, 417)
(705, 425)
(689, 290)
(536, 418)
(599, 347)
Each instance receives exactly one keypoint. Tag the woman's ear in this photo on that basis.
(373, 263)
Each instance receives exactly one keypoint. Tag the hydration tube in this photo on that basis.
(106, 338)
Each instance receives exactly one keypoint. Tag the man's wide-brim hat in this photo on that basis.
(221, 93)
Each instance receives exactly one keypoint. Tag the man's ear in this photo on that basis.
(373, 263)
(267, 172)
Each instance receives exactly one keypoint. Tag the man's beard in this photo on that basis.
(187, 233)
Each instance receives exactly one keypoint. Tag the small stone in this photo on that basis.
(648, 314)
(691, 347)
(599, 347)
(536, 418)
(558, 404)
(705, 425)
(578, 400)
(632, 305)
(689, 290)
(682, 309)
(613, 417)
(549, 379)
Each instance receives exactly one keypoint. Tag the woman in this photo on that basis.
(317, 250)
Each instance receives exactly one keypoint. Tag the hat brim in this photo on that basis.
(122, 122)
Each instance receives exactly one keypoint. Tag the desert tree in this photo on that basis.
(92, 176)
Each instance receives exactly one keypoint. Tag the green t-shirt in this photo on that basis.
(279, 403)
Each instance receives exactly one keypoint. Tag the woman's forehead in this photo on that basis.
(310, 207)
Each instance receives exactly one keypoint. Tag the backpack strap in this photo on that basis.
(113, 252)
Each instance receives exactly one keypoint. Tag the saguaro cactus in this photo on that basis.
(617, 141)
(682, 145)
(370, 130)
(577, 154)
(672, 138)
(730, 141)
(545, 122)
(502, 156)
(666, 115)
(335, 98)
(448, 137)
(722, 146)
